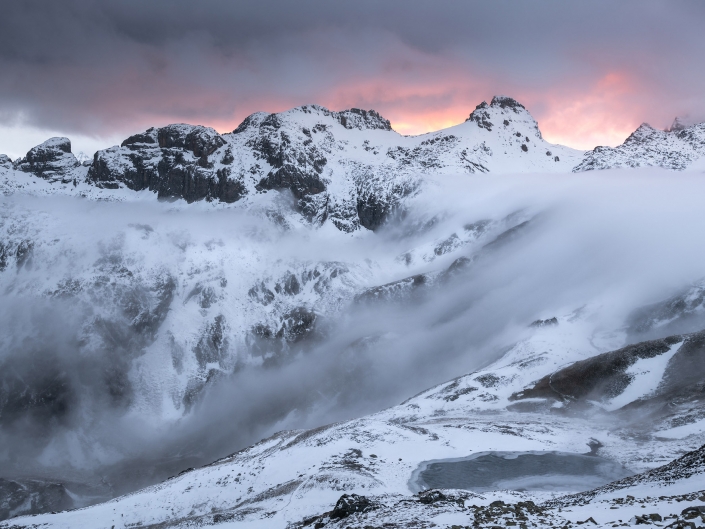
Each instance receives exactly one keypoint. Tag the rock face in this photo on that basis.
(177, 161)
(350, 504)
(349, 168)
(674, 149)
(32, 497)
(677, 361)
(485, 114)
(51, 160)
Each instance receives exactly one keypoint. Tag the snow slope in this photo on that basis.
(676, 149)
(348, 168)
(295, 475)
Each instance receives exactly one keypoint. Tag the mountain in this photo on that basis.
(298, 476)
(51, 160)
(189, 293)
(676, 149)
(145, 308)
(349, 168)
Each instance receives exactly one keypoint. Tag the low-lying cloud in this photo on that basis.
(617, 240)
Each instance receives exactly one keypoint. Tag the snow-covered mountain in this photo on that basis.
(349, 168)
(296, 477)
(676, 148)
(188, 293)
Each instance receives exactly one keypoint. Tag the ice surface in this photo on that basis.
(547, 471)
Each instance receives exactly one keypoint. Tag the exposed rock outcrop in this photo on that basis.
(176, 161)
(349, 168)
(51, 160)
(675, 148)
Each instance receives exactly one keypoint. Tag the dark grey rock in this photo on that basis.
(397, 291)
(295, 166)
(213, 345)
(350, 504)
(297, 324)
(174, 161)
(356, 118)
(507, 102)
(20, 252)
(51, 160)
(431, 496)
(24, 496)
(544, 323)
(605, 376)
(482, 117)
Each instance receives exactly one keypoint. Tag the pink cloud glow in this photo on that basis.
(603, 113)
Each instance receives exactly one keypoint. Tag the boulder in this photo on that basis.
(350, 504)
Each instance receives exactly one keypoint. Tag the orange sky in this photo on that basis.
(603, 113)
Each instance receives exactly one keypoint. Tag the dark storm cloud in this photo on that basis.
(97, 68)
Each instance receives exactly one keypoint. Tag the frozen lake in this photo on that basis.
(547, 471)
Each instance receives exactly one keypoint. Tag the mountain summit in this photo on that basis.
(675, 148)
(350, 167)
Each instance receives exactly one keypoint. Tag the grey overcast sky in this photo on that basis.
(590, 72)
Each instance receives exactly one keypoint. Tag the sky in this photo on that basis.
(589, 72)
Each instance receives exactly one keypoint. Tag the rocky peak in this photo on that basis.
(148, 137)
(677, 125)
(507, 102)
(481, 116)
(51, 160)
(53, 144)
(200, 140)
(353, 118)
(501, 112)
(253, 120)
(675, 148)
(356, 118)
(643, 132)
(176, 161)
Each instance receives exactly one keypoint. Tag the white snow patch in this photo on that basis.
(646, 374)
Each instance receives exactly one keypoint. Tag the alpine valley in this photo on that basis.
(314, 321)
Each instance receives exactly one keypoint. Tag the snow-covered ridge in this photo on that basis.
(676, 148)
(349, 168)
(294, 476)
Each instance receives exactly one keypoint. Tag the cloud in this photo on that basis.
(103, 69)
(616, 240)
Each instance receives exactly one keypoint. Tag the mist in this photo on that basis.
(138, 341)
